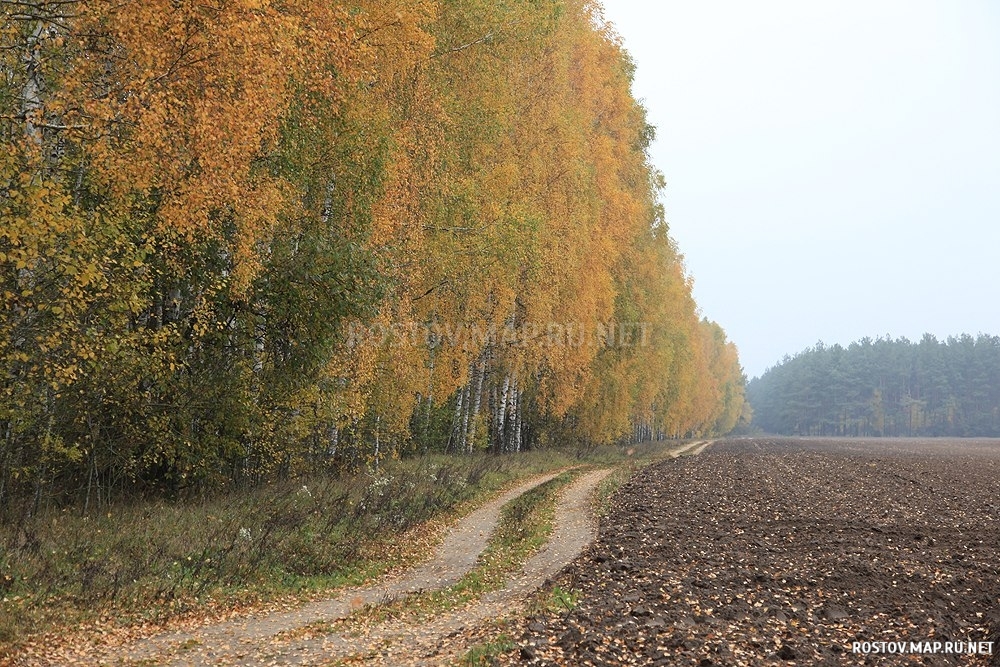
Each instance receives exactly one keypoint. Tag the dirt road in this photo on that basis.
(789, 552)
(303, 636)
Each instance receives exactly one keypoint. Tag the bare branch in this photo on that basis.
(482, 40)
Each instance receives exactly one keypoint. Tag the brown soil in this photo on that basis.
(787, 551)
(440, 639)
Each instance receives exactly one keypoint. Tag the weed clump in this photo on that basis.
(145, 561)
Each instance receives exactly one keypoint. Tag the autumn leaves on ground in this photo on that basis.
(306, 263)
(785, 551)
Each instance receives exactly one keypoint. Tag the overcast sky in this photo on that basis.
(833, 168)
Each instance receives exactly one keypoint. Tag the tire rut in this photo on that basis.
(234, 641)
(399, 643)
(270, 638)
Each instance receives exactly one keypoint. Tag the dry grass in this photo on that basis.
(151, 563)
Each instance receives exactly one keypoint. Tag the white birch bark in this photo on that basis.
(457, 422)
(31, 92)
(519, 422)
(476, 401)
(464, 432)
(501, 414)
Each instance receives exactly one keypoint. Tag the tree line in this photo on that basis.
(884, 387)
(221, 219)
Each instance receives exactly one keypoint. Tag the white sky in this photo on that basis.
(833, 167)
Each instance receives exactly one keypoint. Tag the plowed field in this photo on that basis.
(789, 551)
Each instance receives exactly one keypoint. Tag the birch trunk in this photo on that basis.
(511, 435)
(31, 92)
(518, 422)
(455, 437)
(476, 401)
(501, 415)
(464, 432)
(377, 443)
(332, 440)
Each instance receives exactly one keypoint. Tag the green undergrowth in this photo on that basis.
(146, 562)
(485, 655)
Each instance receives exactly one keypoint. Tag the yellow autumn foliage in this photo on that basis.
(242, 238)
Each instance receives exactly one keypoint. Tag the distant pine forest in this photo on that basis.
(884, 387)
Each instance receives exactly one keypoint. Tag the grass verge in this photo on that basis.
(524, 526)
(144, 564)
(499, 640)
(485, 655)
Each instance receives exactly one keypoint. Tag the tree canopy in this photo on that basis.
(245, 238)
